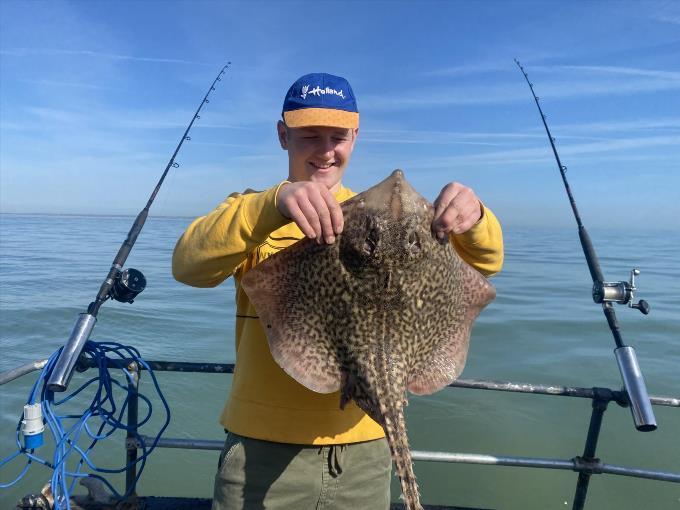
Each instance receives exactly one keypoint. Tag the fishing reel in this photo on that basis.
(620, 292)
(127, 285)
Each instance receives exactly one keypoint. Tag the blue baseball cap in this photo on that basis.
(320, 99)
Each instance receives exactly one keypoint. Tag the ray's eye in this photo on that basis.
(413, 243)
(372, 238)
(371, 242)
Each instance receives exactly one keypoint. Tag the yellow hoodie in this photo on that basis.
(265, 402)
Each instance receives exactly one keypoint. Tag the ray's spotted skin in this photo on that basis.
(386, 308)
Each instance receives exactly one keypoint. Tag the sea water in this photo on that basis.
(542, 328)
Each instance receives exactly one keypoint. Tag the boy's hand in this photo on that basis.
(313, 208)
(456, 210)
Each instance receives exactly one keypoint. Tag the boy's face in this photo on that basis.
(317, 153)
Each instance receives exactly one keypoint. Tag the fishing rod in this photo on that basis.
(608, 293)
(121, 285)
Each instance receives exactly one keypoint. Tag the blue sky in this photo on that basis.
(95, 95)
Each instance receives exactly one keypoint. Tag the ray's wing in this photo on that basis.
(294, 292)
(456, 295)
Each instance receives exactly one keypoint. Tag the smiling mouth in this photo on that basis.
(325, 166)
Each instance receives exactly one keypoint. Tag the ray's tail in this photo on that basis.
(395, 430)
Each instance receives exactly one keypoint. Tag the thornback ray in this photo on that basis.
(385, 308)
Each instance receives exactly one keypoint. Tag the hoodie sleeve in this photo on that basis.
(213, 246)
(482, 245)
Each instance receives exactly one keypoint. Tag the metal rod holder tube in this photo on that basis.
(132, 423)
(63, 369)
(634, 382)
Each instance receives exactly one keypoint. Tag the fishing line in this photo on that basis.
(608, 293)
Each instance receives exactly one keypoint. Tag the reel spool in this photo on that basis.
(127, 285)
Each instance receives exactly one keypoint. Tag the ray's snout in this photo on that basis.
(397, 175)
(404, 200)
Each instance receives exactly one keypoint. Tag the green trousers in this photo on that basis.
(254, 475)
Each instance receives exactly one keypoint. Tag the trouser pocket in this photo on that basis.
(232, 444)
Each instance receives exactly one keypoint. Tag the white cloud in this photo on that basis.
(672, 76)
(467, 69)
(79, 85)
(41, 118)
(670, 19)
(562, 82)
(668, 12)
(534, 155)
(23, 52)
(407, 136)
(662, 124)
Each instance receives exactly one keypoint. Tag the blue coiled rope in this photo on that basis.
(104, 413)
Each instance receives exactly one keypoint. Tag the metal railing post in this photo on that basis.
(132, 421)
(588, 461)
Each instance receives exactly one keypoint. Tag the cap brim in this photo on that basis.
(306, 117)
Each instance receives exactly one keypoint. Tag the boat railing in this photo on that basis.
(585, 464)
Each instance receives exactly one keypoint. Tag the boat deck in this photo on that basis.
(160, 503)
(168, 503)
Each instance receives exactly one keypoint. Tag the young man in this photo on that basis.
(289, 447)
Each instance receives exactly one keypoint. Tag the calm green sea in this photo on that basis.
(542, 328)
